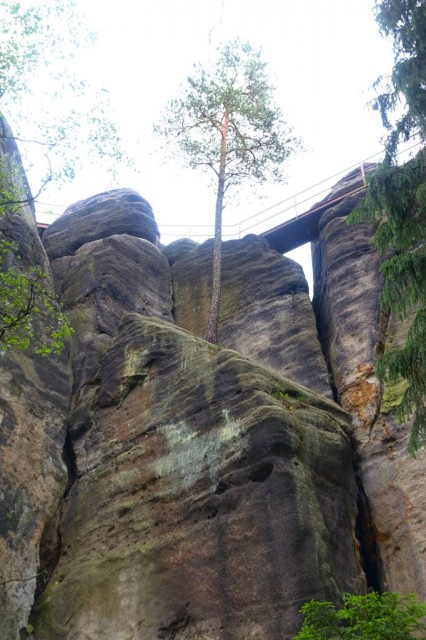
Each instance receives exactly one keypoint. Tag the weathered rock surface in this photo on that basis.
(34, 396)
(104, 280)
(352, 181)
(354, 331)
(347, 301)
(265, 309)
(178, 249)
(208, 497)
(212, 498)
(33, 477)
(100, 284)
(120, 211)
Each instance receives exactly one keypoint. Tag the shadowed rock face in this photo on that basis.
(347, 302)
(34, 396)
(102, 282)
(120, 211)
(212, 498)
(265, 309)
(210, 495)
(177, 249)
(354, 331)
(105, 265)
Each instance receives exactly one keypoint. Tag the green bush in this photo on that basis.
(387, 616)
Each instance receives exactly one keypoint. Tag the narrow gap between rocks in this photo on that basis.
(50, 543)
(68, 456)
(366, 536)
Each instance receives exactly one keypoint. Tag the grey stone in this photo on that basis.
(120, 211)
(265, 310)
(213, 499)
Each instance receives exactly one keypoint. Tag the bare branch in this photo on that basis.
(34, 577)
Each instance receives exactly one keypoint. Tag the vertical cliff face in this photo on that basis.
(354, 332)
(105, 264)
(265, 310)
(210, 497)
(34, 394)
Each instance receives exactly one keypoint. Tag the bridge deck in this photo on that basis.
(304, 227)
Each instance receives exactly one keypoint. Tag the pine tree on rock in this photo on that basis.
(225, 122)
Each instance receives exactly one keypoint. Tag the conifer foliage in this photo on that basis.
(226, 123)
(405, 22)
(396, 202)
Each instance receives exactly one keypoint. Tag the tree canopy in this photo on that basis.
(402, 97)
(225, 122)
(39, 41)
(387, 616)
(29, 313)
(396, 204)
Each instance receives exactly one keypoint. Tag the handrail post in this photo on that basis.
(364, 179)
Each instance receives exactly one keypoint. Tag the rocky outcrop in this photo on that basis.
(102, 281)
(210, 494)
(265, 309)
(347, 302)
(354, 332)
(120, 211)
(216, 490)
(34, 396)
(212, 498)
(177, 249)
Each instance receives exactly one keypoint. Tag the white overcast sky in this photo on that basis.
(323, 56)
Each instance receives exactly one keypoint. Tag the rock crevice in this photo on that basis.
(355, 331)
(211, 488)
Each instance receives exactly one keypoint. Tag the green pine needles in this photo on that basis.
(225, 122)
(402, 98)
(396, 204)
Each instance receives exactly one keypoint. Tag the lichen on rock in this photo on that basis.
(265, 310)
(205, 503)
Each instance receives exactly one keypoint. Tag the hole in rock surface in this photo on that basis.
(262, 472)
(221, 487)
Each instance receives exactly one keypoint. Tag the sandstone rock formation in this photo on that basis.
(265, 309)
(34, 395)
(121, 211)
(184, 445)
(354, 331)
(208, 496)
(211, 499)
(103, 280)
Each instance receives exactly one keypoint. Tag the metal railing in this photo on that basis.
(278, 213)
(288, 209)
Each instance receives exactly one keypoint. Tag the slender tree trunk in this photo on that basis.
(213, 324)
